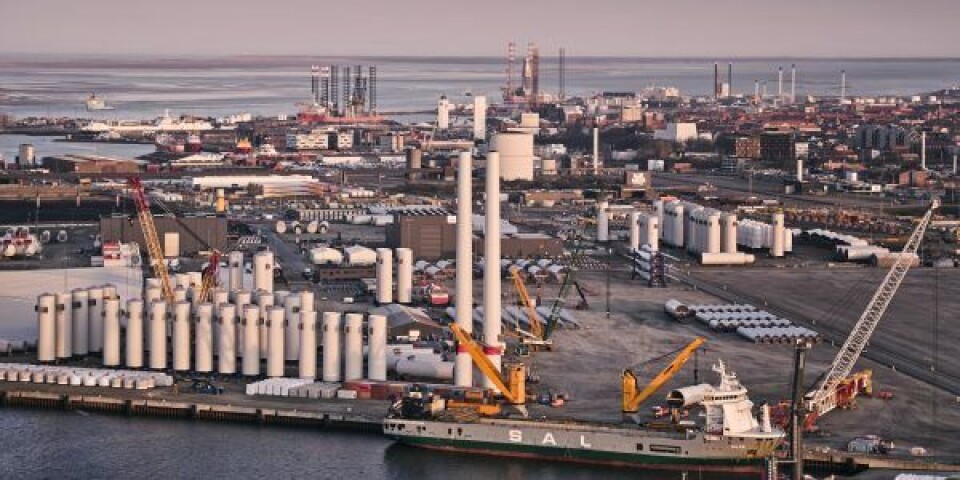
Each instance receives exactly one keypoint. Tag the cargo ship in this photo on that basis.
(730, 439)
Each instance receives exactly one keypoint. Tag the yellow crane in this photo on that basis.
(632, 398)
(536, 328)
(150, 238)
(513, 388)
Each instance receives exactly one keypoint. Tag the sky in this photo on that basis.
(665, 28)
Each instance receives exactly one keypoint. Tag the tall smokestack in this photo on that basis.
(843, 86)
(596, 150)
(491, 256)
(463, 368)
(779, 85)
(923, 150)
(730, 79)
(756, 92)
(793, 83)
(716, 80)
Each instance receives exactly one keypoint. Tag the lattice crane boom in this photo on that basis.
(150, 237)
(822, 399)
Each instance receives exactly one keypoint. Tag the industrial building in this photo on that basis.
(431, 237)
(196, 234)
(525, 245)
(777, 147)
(90, 164)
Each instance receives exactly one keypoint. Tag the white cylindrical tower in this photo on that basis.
(134, 351)
(180, 294)
(158, 335)
(713, 232)
(308, 344)
(81, 322)
(275, 340)
(728, 229)
(443, 113)
(377, 347)
(64, 324)
(634, 224)
(479, 117)
(219, 296)
(235, 274)
(603, 222)
(264, 301)
(111, 332)
(331, 346)
(404, 275)
(150, 295)
(777, 250)
(596, 151)
(241, 299)
(95, 334)
(227, 341)
(196, 280)
(799, 169)
(291, 327)
(183, 281)
(353, 347)
(651, 232)
(251, 340)
(384, 276)
(203, 341)
(263, 271)
(463, 367)
(46, 328)
(181, 336)
(307, 302)
(491, 282)
(679, 215)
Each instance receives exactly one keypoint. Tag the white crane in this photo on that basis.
(824, 398)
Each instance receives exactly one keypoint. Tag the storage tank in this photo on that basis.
(134, 343)
(357, 256)
(281, 226)
(251, 340)
(312, 227)
(516, 154)
(432, 368)
(171, 244)
(235, 274)
(414, 159)
(377, 347)
(111, 332)
(46, 328)
(776, 249)
(275, 339)
(291, 327)
(263, 263)
(331, 347)
(81, 322)
(307, 331)
(95, 334)
(404, 275)
(603, 219)
(264, 302)
(326, 256)
(203, 342)
(353, 347)
(227, 340)
(158, 335)
(384, 276)
(181, 336)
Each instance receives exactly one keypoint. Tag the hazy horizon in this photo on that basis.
(730, 29)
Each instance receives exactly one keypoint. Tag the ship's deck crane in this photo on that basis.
(826, 396)
(632, 398)
(150, 238)
(513, 388)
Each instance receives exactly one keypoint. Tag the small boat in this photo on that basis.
(96, 103)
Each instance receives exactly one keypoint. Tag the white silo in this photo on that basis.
(95, 334)
(264, 301)
(384, 276)
(158, 335)
(227, 341)
(219, 296)
(515, 151)
(331, 346)
(263, 271)
(443, 113)
(110, 291)
(377, 347)
(603, 222)
(650, 234)
(111, 332)
(241, 299)
(182, 281)
(677, 218)
(728, 233)
(353, 347)
(46, 328)
(235, 272)
(308, 345)
(251, 340)
(713, 232)
(196, 280)
(634, 224)
(81, 322)
(180, 294)
(777, 250)
(134, 343)
(492, 321)
(280, 296)
(275, 339)
(658, 209)
(479, 117)
(181, 336)
(291, 327)
(404, 275)
(203, 339)
(463, 371)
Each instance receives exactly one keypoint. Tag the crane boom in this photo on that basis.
(822, 399)
(632, 399)
(535, 327)
(151, 239)
(568, 281)
(515, 395)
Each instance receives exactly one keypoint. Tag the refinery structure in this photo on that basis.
(644, 279)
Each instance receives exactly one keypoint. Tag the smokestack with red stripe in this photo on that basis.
(463, 366)
(492, 346)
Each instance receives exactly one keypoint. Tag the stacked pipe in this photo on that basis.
(746, 320)
(649, 265)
